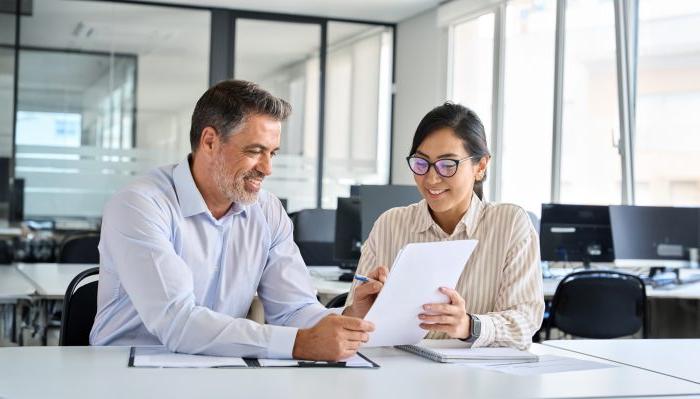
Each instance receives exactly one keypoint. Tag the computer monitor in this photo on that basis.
(4, 179)
(654, 236)
(375, 200)
(348, 239)
(576, 233)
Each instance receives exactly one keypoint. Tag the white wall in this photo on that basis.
(421, 58)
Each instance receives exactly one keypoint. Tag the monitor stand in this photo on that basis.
(657, 270)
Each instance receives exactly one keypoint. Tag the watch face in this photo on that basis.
(476, 326)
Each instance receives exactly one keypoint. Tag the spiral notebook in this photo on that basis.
(455, 351)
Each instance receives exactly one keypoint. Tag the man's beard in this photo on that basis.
(234, 188)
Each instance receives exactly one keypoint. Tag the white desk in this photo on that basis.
(686, 291)
(13, 288)
(675, 357)
(89, 372)
(51, 279)
(13, 285)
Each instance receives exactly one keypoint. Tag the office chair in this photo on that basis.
(337, 301)
(80, 249)
(535, 221)
(314, 234)
(599, 304)
(79, 309)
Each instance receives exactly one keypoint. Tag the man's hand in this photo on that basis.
(450, 318)
(365, 293)
(333, 338)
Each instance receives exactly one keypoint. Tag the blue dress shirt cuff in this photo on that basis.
(281, 342)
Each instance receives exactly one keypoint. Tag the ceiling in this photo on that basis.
(368, 10)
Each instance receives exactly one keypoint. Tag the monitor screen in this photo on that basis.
(348, 242)
(576, 233)
(375, 200)
(4, 179)
(654, 236)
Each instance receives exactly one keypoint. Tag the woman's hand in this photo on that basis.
(364, 294)
(450, 318)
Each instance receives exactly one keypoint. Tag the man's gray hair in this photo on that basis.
(226, 105)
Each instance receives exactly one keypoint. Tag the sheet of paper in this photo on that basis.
(418, 272)
(546, 365)
(161, 357)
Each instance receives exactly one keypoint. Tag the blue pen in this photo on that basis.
(362, 278)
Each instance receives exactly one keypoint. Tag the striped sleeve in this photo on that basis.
(519, 305)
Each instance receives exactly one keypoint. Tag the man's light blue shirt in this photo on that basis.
(171, 274)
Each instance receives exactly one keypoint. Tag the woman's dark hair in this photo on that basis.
(466, 125)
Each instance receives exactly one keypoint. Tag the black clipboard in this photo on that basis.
(254, 363)
(316, 364)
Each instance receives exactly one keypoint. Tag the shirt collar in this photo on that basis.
(191, 200)
(470, 220)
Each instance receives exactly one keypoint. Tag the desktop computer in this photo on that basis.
(576, 233)
(348, 239)
(5, 170)
(356, 215)
(377, 199)
(654, 236)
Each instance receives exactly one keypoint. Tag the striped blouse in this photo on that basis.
(501, 283)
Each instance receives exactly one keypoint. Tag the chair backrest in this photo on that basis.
(535, 221)
(338, 301)
(599, 304)
(314, 234)
(79, 309)
(80, 249)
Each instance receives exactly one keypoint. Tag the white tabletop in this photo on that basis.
(676, 357)
(685, 291)
(51, 279)
(13, 285)
(89, 372)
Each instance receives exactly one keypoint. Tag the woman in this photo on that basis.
(498, 300)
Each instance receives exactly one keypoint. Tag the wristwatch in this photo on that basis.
(475, 330)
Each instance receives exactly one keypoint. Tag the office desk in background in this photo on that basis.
(89, 372)
(674, 357)
(51, 279)
(14, 287)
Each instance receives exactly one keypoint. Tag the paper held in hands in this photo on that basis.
(418, 272)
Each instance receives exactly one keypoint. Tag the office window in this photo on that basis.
(526, 159)
(667, 143)
(471, 70)
(591, 165)
(358, 108)
(283, 58)
(471, 78)
(125, 76)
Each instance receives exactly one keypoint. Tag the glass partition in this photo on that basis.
(283, 58)
(358, 108)
(106, 91)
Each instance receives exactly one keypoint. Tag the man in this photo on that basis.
(185, 248)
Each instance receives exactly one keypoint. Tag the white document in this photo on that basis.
(158, 356)
(547, 364)
(419, 270)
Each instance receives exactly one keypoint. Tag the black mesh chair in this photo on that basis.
(79, 309)
(80, 249)
(314, 234)
(338, 301)
(599, 304)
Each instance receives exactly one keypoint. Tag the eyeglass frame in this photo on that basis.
(433, 164)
